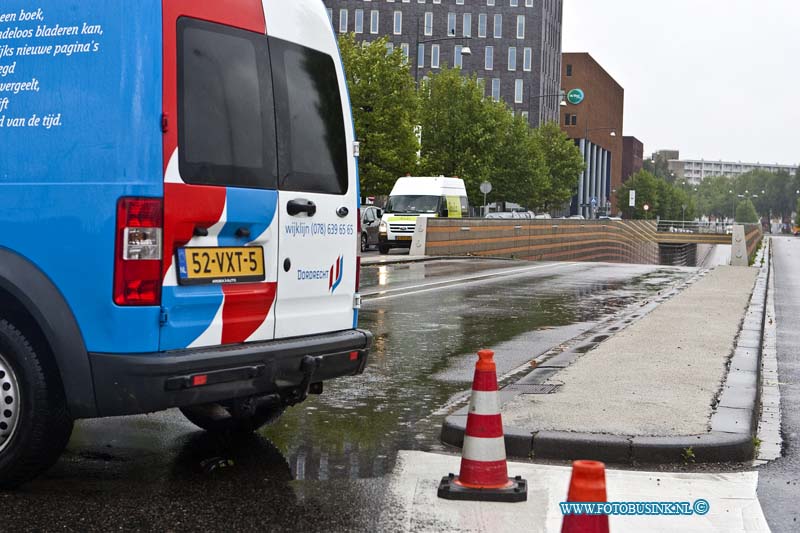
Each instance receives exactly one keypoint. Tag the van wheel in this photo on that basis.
(217, 418)
(364, 243)
(35, 425)
(383, 249)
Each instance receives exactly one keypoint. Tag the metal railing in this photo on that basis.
(691, 226)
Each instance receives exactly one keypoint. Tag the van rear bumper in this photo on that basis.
(143, 383)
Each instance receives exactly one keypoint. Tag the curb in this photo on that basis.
(733, 423)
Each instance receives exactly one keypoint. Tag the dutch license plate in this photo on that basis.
(404, 238)
(238, 264)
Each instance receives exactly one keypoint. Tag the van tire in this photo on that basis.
(384, 249)
(216, 418)
(364, 242)
(42, 425)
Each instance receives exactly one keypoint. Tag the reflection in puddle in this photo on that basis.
(356, 427)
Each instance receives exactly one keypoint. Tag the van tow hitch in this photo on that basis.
(308, 366)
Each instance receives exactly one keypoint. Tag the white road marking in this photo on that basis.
(446, 284)
(734, 506)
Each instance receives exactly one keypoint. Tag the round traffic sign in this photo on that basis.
(486, 187)
(575, 96)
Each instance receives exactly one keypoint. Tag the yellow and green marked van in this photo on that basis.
(414, 197)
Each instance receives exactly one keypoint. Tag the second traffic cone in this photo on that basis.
(484, 472)
(588, 484)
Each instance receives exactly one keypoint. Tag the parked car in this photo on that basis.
(370, 222)
(511, 214)
(160, 259)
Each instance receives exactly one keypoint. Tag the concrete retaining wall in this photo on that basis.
(539, 240)
(626, 241)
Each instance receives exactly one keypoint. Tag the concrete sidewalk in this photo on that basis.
(678, 384)
(658, 377)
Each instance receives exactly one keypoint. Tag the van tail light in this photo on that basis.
(137, 257)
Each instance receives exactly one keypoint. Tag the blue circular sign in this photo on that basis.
(575, 96)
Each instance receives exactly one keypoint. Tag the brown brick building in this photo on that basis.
(596, 125)
(632, 157)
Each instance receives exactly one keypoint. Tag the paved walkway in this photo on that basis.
(733, 505)
(657, 377)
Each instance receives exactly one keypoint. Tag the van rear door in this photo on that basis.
(220, 191)
(318, 188)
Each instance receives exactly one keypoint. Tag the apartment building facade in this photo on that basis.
(594, 120)
(696, 170)
(514, 45)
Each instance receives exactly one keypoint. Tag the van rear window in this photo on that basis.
(311, 138)
(253, 108)
(226, 110)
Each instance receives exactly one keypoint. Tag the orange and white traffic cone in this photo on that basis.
(484, 472)
(588, 484)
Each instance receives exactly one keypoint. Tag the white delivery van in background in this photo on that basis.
(414, 197)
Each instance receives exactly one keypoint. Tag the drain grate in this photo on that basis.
(534, 388)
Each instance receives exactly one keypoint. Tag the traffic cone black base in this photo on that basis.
(450, 489)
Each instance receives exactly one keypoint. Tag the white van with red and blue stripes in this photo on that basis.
(179, 216)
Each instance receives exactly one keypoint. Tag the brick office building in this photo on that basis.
(632, 157)
(595, 123)
(515, 44)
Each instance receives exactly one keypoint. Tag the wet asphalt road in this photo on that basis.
(324, 466)
(779, 481)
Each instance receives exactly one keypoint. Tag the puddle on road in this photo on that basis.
(356, 427)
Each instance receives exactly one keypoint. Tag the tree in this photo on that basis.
(563, 164)
(385, 105)
(468, 135)
(746, 212)
(647, 190)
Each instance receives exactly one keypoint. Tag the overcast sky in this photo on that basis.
(715, 79)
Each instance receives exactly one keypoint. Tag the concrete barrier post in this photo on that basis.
(739, 256)
(419, 240)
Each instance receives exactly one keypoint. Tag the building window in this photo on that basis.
(434, 56)
(489, 2)
(421, 56)
(404, 49)
(374, 21)
(359, 21)
(512, 58)
(466, 25)
(482, 25)
(527, 59)
(496, 89)
(429, 23)
(342, 21)
(525, 115)
(569, 70)
(518, 90)
(528, 3)
(398, 22)
(498, 26)
(520, 26)
(451, 24)
(570, 119)
(489, 58)
(513, 3)
(460, 2)
(457, 57)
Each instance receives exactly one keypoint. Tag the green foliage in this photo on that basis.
(746, 212)
(468, 135)
(385, 104)
(666, 201)
(797, 213)
(770, 194)
(564, 163)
